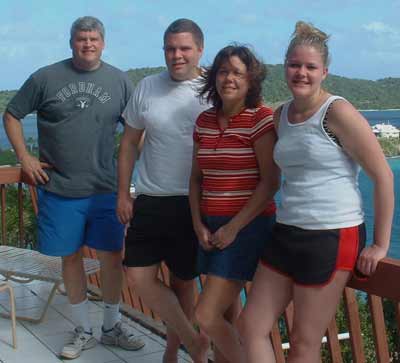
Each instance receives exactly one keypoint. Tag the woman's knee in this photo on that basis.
(243, 325)
(302, 345)
(250, 329)
(205, 318)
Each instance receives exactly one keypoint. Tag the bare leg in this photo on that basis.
(184, 291)
(314, 308)
(231, 315)
(164, 302)
(74, 277)
(217, 296)
(269, 295)
(110, 275)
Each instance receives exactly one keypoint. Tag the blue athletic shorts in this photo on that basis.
(65, 224)
(239, 260)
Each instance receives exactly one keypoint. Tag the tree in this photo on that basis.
(12, 219)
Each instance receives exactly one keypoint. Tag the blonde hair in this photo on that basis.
(308, 35)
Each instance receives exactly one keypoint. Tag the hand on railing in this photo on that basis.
(369, 258)
(34, 169)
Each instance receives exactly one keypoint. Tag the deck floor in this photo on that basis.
(41, 343)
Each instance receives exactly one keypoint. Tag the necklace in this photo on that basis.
(223, 121)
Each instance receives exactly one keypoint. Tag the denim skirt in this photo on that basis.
(239, 260)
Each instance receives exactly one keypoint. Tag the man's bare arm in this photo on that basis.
(128, 152)
(30, 164)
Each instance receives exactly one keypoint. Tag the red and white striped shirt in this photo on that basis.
(228, 161)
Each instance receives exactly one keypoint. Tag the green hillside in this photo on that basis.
(364, 94)
(139, 73)
(5, 97)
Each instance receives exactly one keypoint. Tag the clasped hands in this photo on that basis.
(220, 239)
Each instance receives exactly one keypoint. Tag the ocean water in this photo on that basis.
(373, 117)
(385, 116)
(30, 130)
(366, 188)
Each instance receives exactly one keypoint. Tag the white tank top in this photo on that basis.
(320, 180)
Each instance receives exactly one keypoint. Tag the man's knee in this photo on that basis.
(140, 279)
(181, 286)
(73, 260)
(111, 260)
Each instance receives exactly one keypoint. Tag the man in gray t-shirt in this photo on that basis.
(79, 102)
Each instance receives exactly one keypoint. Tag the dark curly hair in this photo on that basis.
(256, 71)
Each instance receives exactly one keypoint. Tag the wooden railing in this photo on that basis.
(384, 284)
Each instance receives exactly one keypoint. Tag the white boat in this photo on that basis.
(385, 130)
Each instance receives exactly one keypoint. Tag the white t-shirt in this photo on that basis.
(167, 111)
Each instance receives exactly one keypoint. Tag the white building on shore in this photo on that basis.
(386, 130)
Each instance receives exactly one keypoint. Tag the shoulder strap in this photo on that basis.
(278, 112)
(324, 119)
(283, 110)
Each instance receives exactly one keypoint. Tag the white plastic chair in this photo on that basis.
(7, 286)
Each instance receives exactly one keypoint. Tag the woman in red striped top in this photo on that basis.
(232, 185)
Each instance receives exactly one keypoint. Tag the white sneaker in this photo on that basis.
(79, 340)
(121, 336)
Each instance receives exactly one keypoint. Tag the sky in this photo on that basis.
(364, 42)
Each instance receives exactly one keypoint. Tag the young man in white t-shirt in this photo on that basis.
(164, 106)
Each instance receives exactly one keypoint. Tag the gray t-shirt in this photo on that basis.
(77, 112)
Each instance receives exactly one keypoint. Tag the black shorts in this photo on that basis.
(311, 257)
(161, 230)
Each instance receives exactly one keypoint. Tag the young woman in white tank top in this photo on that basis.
(319, 158)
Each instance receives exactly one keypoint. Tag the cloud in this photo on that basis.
(378, 27)
(384, 39)
(240, 3)
(125, 11)
(163, 20)
(248, 19)
(12, 52)
(5, 30)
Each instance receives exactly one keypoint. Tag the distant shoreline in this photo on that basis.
(370, 110)
(29, 114)
(380, 110)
